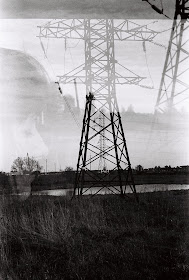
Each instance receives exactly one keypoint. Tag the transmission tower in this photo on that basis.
(174, 87)
(102, 142)
(99, 75)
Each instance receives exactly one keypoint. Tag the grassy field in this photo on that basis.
(105, 237)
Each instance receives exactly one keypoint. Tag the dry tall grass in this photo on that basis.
(101, 238)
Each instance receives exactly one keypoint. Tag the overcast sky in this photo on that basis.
(133, 9)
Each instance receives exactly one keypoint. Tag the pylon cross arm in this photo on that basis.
(79, 73)
(62, 29)
(74, 29)
(120, 80)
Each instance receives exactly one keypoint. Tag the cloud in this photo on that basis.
(130, 9)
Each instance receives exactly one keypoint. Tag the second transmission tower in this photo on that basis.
(174, 87)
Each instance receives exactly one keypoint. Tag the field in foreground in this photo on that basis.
(105, 237)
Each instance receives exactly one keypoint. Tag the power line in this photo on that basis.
(69, 107)
(65, 99)
(144, 49)
(155, 8)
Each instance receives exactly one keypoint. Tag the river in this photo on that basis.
(139, 189)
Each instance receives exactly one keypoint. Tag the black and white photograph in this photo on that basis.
(94, 140)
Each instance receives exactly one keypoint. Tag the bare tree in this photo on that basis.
(69, 168)
(139, 168)
(25, 165)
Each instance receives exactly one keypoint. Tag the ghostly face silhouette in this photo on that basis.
(23, 94)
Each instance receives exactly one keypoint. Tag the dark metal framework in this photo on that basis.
(102, 143)
(120, 175)
(174, 87)
(100, 77)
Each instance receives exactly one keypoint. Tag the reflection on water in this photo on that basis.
(139, 189)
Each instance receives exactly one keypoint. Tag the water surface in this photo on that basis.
(139, 189)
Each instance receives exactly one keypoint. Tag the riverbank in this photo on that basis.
(106, 237)
(65, 180)
(111, 190)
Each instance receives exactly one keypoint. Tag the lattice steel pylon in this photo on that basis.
(99, 75)
(102, 166)
(174, 86)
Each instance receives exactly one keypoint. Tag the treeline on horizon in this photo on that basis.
(138, 169)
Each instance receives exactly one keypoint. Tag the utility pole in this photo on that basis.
(99, 75)
(174, 86)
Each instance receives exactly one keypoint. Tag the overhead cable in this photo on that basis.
(65, 99)
(155, 8)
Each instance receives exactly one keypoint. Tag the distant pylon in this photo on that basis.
(102, 142)
(174, 86)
